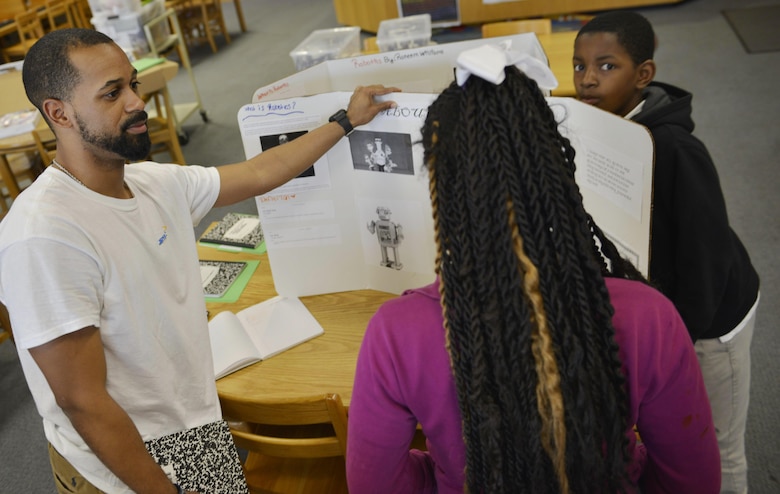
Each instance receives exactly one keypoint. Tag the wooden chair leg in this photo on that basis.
(176, 153)
(8, 177)
(221, 21)
(240, 14)
(207, 27)
(170, 113)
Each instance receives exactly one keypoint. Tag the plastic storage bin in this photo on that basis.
(114, 7)
(326, 44)
(127, 28)
(404, 32)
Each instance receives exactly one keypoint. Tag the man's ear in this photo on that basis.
(54, 110)
(645, 74)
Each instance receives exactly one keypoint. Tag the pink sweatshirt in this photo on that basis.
(404, 377)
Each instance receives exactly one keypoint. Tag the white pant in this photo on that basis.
(726, 370)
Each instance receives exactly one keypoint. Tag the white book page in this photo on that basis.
(207, 273)
(231, 346)
(279, 323)
(614, 159)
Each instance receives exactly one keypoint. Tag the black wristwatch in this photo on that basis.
(340, 117)
(179, 490)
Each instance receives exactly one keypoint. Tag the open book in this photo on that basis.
(259, 332)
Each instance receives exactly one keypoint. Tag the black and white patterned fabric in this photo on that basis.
(202, 459)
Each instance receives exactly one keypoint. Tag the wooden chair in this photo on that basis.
(506, 28)
(201, 19)
(29, 28)
(22, 159)
(81, 13)
(162, 126)
(60, 14)
(296, 446)
(9, 9)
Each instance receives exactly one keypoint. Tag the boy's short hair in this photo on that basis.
(633, 31)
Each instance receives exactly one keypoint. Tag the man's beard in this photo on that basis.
(132, 147)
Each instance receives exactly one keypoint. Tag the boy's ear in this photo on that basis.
(645, 73)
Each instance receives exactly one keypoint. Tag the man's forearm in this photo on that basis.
(112, 436)
(278, 165)
(275, 167)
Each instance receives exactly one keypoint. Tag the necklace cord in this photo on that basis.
(67, 172)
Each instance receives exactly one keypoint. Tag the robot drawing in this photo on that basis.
(389, 235)
(378, 158)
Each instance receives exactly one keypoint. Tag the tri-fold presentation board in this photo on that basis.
(427, 69)
(361, 216)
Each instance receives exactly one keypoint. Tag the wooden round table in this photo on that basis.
(325, 364)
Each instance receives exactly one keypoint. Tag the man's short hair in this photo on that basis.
(634, 32)
(47, 71)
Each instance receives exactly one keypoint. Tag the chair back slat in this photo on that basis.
(288, 447)
(60, 14)
(81, 13)
(313, 427)
(29, 26)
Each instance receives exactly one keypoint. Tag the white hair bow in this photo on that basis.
(488, 62)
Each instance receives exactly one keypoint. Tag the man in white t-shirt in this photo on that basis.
(99, 268)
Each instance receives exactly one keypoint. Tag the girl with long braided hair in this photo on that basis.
(530, 359)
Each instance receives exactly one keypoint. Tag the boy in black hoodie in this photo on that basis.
(696, 259)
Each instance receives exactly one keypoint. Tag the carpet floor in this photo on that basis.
(756, 27)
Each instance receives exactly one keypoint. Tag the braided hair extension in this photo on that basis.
(523, 294)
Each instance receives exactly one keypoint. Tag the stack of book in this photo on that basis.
(19, 122)
(236, 230)
(223, 281)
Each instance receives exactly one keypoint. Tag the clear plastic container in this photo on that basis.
(326, 44)
(412, 31)
(127, 29)
(114, 7)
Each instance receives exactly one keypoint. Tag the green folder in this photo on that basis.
(144, 63)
